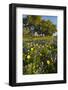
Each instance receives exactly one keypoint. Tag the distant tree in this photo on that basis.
(33, 23)
(48, 28)
(36, 24)
(34, 20)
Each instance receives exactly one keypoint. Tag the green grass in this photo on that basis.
(34, 38)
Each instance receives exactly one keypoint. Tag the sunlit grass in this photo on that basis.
(28, 38)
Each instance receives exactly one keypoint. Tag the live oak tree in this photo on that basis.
(36, 24)
(48, 28)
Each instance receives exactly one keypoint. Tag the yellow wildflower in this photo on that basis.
(28, 57)
(46, 45)
(48, 62)
(32, 49)
(40, 54)
(36, 44)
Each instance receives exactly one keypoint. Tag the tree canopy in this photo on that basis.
(38, 25)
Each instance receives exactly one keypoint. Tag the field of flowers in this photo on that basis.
(40, 55)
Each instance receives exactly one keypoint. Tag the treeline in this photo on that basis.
(32, 24)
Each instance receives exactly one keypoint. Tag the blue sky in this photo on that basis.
(53, 19)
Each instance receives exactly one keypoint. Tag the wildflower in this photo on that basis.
(36, 44)
(28, 44)
(46, 45)
(42, 46)
(48, 62)
(40, 54)
(28, 50)
(28, 57)
(32, 49)
(50, 47)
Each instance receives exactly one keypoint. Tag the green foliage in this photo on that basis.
(40, 26)
(34, 20)
(48, 28)
(39, 57)
(26, 31)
